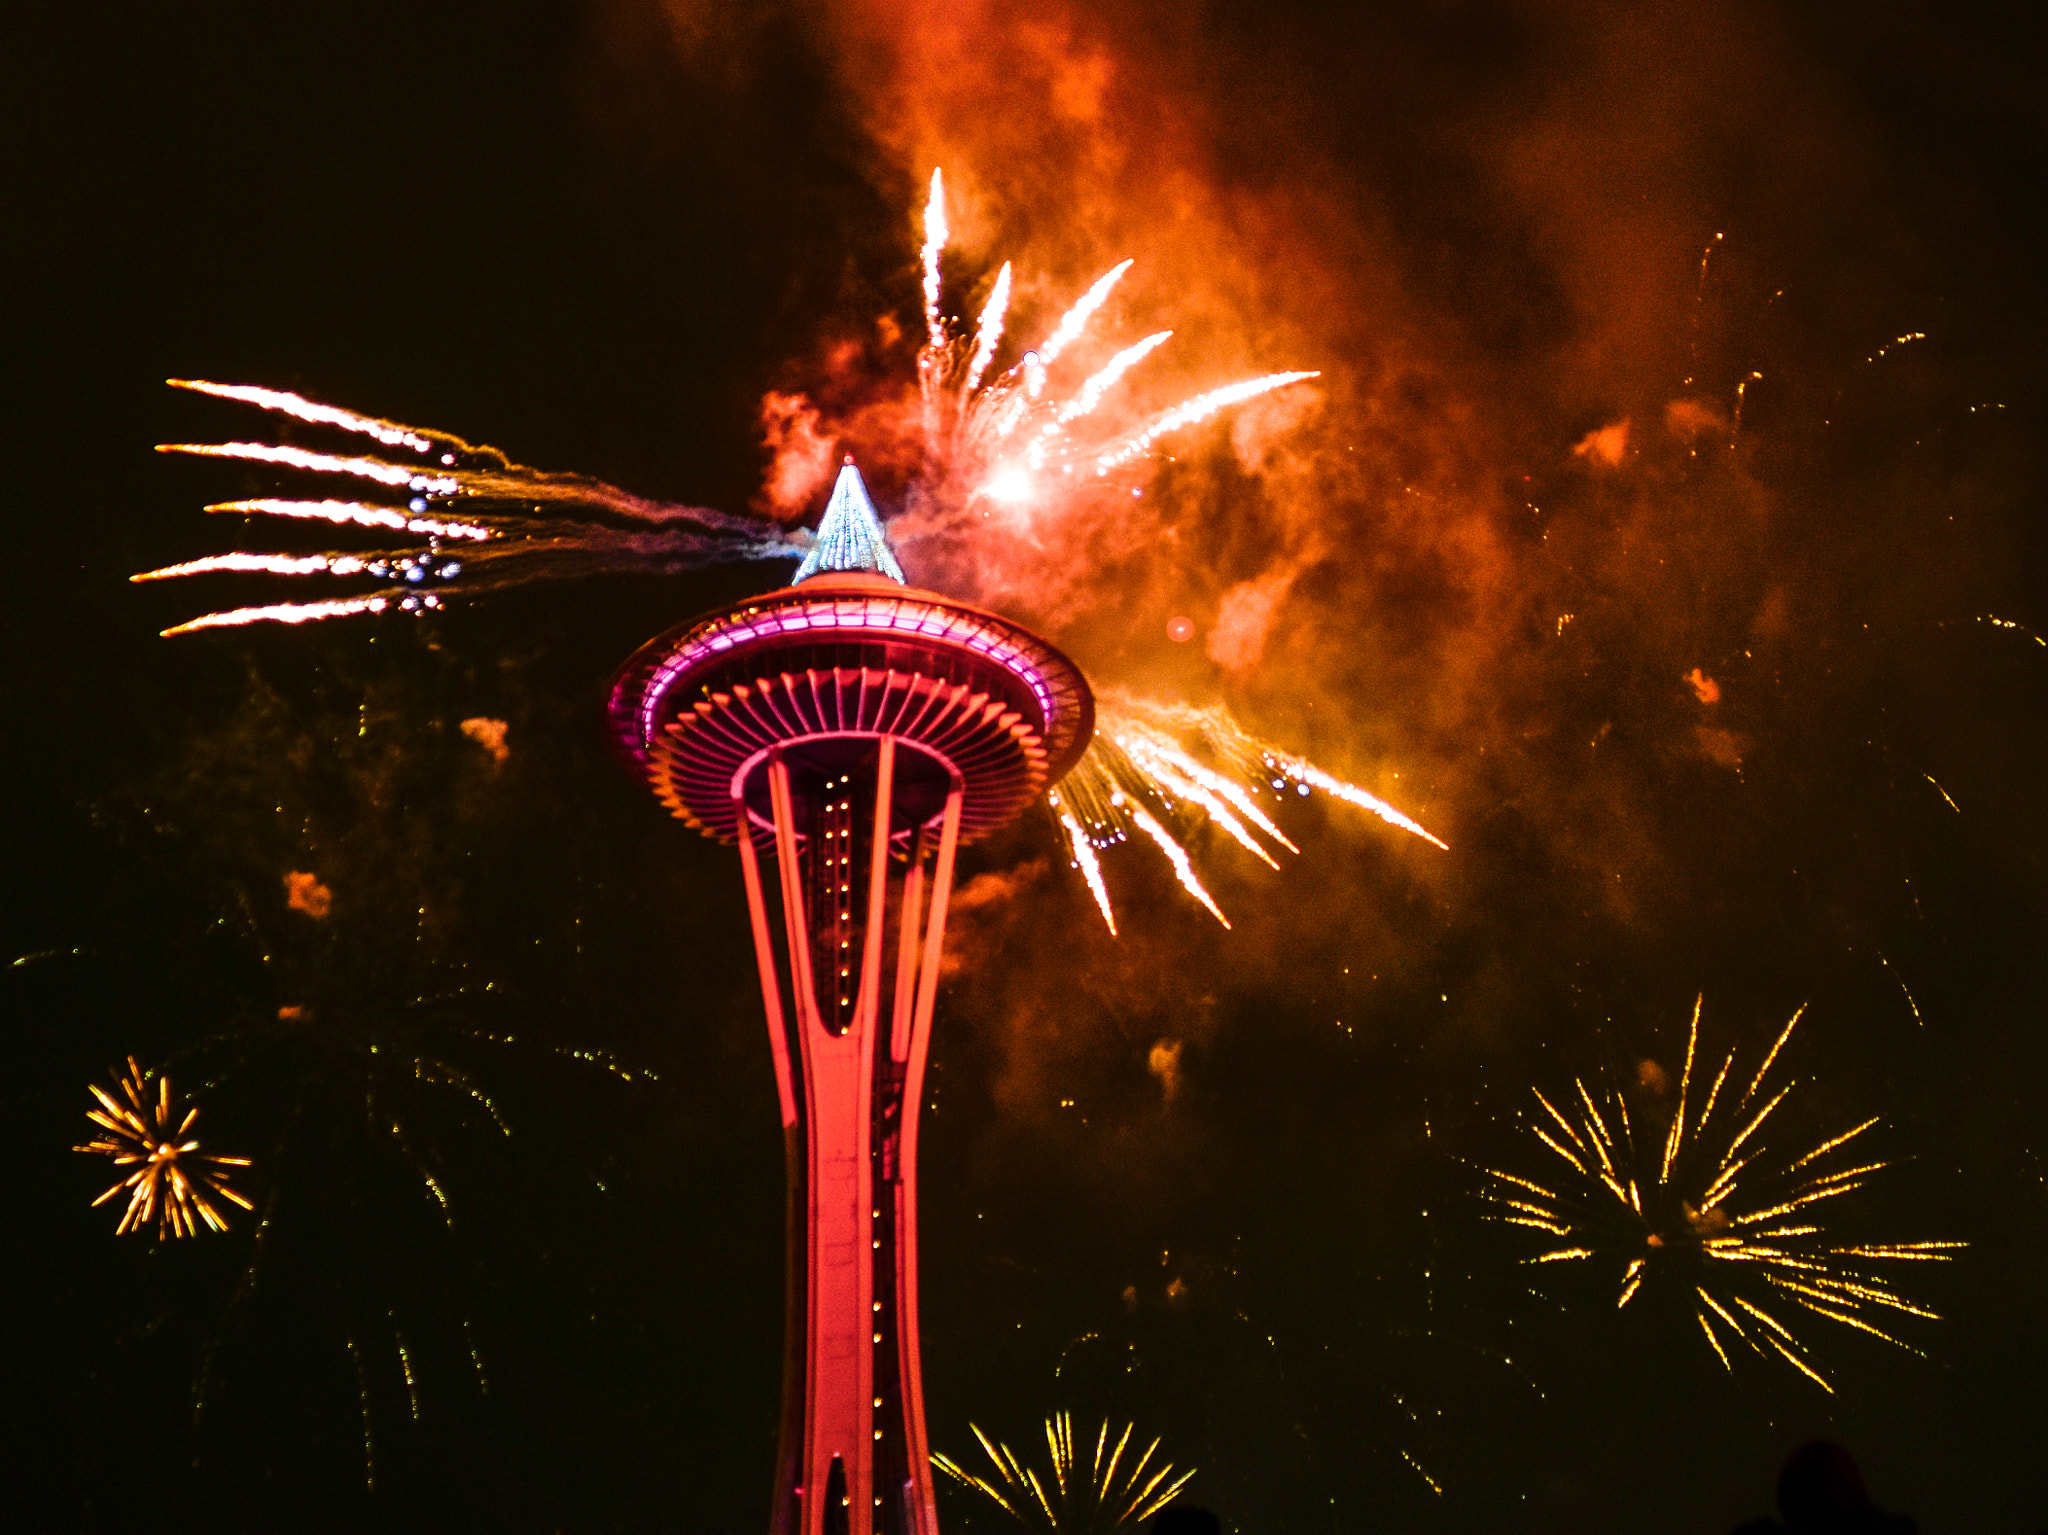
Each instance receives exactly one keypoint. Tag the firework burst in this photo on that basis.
(173, 1182)
(1029, 431)
(1151, 763)
(1105, 1492)
(480, 521)
(1706, 1206)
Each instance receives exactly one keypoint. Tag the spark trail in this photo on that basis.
(1713, 1213)
(487, 522)
(1152, 762)
(173, 1183)
(1095, 1496)
(1016, 437)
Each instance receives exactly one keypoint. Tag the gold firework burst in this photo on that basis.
(173, 1181)
(1715, 1211)
(1075, 1498)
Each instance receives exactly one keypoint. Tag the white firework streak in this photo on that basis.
(988, 332)
(1308, 773)
(390, 433)
(271, 564)
(1089, 865)
(291, 613)
(1090, 394)
(935, 235)
(1190, 412)
(1183, 867)
(398, 476)
(361, 514)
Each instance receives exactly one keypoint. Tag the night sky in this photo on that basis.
(1623, 541)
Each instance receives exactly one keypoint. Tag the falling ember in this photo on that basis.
(1681, 1208)
(1183, 867)
(1086, 861)
(173, 1183)
(1151, 760)
(1308, 773)
(523, 524)
(1098, 1494)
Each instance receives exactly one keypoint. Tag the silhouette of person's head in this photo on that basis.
(1821, 1492)
(1183, 1520)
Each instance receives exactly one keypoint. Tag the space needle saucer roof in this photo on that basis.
(821, 670)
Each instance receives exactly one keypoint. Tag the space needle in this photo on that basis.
(846, 733)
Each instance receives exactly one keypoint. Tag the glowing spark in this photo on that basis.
(390, 433)
(1309, 773)
(1165, 765)
(359, 513)
(1010, 485)
(1897, 341)
(1671, 1141)
(1090, 394)
(1416, 1466)
(283, 613)
(274, 564)
(398, 476)
(1075, 320)
(1100, 1493)
(1191, 412)
(173, 1183)
(1183, 868)
(2005, 623)
(1938, 789)
(1693, 1226)
(935, 235)
(988, 331)
(1089, 865)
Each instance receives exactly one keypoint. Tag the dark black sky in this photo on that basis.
(596, 236)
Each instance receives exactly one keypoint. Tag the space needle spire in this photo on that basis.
(850, 536)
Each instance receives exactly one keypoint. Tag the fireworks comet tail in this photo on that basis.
(523, 525)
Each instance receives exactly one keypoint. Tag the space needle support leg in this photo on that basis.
(924, 1519)
(764, 954)
(790, 1436)
(837, 1459)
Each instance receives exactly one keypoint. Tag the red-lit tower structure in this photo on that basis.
(846, 733)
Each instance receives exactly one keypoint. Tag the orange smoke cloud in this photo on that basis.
(1391, 520)
(799, 455)
(1606, 445)
(489, 734)
(1244, 618)
(304, 892)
